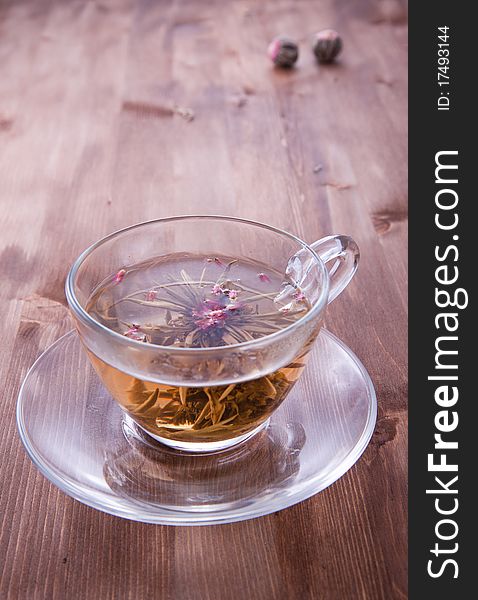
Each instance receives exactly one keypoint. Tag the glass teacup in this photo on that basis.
(205, 398)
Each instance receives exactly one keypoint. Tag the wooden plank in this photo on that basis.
(95, 134)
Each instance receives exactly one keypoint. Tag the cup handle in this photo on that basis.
(345, 252)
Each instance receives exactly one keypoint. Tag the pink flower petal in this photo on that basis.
(134, 334)
(274, 49)
(264, 277)
(120, 275)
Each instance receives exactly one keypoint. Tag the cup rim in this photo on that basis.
(89, 321)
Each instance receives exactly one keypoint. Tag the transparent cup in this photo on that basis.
(253, 376)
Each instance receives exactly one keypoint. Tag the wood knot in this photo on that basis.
(5, 123)
(28, 329)
(147, 110)
(382, 221)
(385, 431)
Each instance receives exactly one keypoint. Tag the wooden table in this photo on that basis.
(96, 133)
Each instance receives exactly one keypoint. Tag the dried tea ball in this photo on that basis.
(327, 45)
(283, 52)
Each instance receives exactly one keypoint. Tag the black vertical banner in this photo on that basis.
(443, 237)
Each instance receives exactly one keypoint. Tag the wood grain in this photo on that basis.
(95, 134)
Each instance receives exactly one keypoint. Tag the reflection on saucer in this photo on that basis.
(145, 471)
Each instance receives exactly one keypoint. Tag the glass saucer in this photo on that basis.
(79, 438)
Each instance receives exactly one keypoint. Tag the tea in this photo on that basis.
(190, 301)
